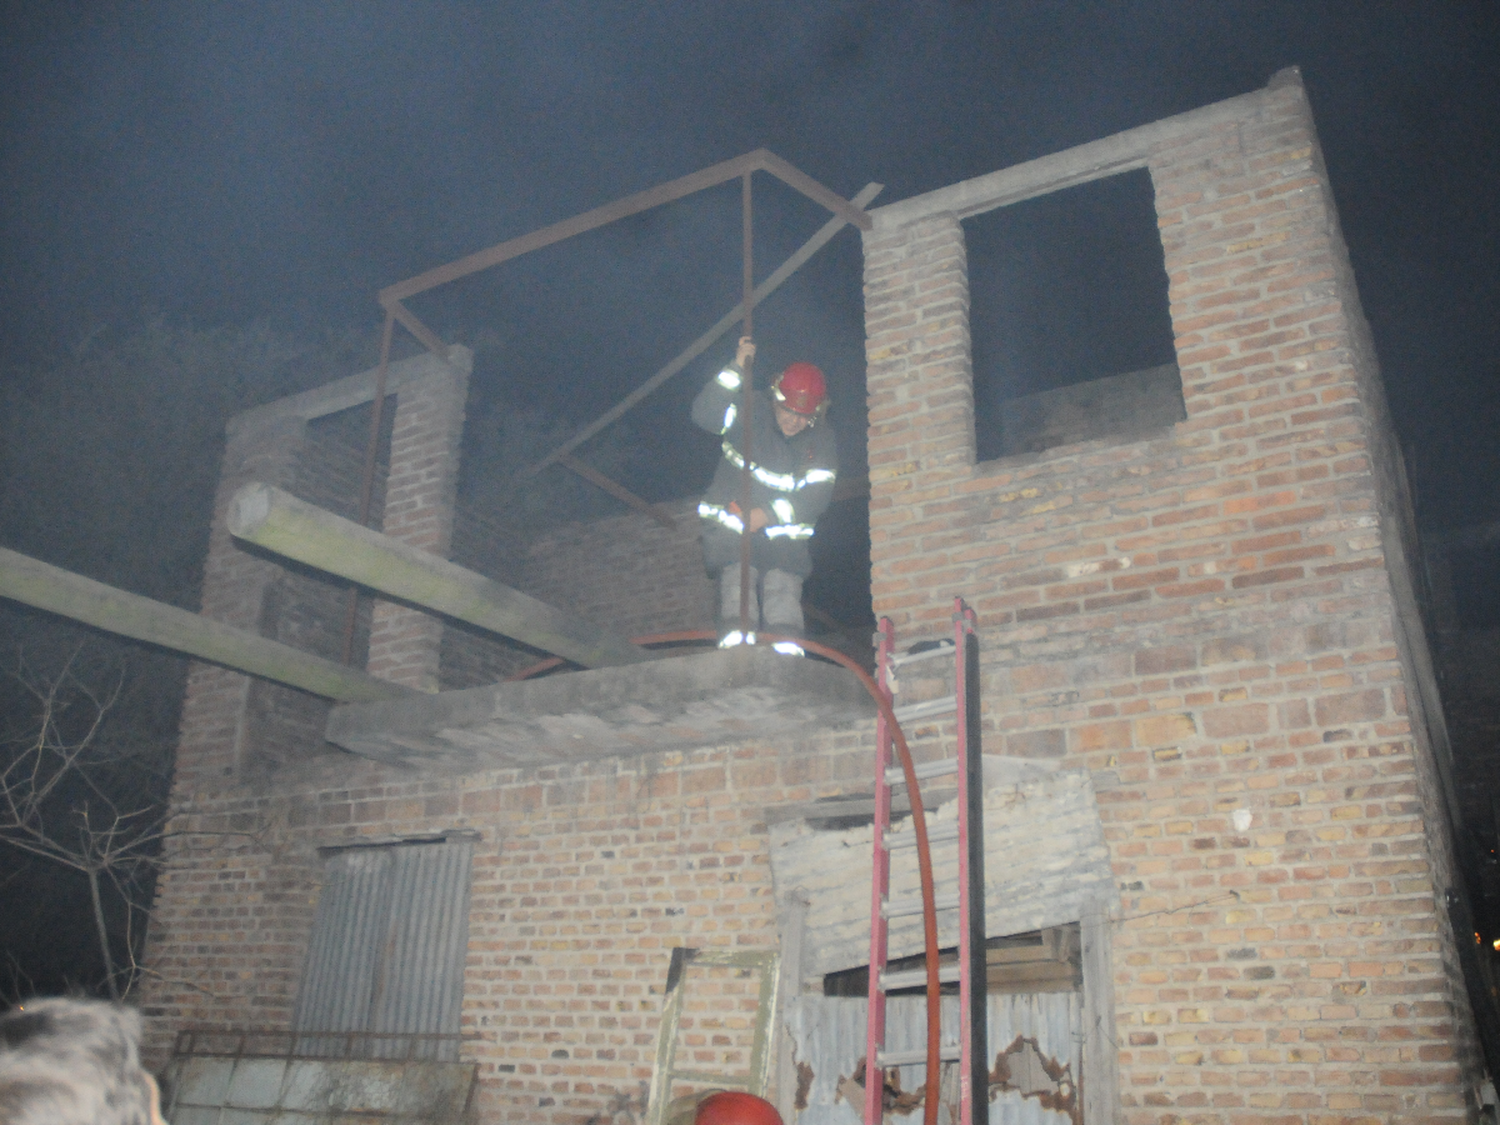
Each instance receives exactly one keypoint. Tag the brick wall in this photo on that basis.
(471, 657)
(627, 572)
(218, 704)
(238, 733)
(235, 903)
(405, 643)
(584, 879)
(1214, 619)
(305, 609)
(1210, 619)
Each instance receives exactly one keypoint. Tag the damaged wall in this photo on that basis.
(1047, 862)
(1034, 1038)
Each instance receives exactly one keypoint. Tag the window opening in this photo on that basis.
(1474, 587)
(1070, 329)
(1039, 961)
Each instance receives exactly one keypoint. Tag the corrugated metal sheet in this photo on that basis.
(1039, 1036)
(421, 986)
(344, 953)
(387, 951)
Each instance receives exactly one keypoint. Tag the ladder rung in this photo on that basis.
(903, 907)
(938, 767)
(909, 978)
(943, 648)
(947, 1052)
(944, 705)
(938, 834)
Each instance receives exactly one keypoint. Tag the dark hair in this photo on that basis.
(73, 1062)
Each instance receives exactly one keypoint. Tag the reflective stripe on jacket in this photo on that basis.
(791, 479)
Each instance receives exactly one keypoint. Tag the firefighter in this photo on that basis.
(793, 464)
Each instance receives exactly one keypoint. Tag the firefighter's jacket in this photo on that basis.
(791, 479)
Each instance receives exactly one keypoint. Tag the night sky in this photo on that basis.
(276, 163)
(227, 163)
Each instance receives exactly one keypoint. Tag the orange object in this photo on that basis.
(735, 1108)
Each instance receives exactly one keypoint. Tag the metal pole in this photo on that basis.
(708, 339)
(614, 488)
(761, 159)
(747, 413)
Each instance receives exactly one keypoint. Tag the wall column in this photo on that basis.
(405, 643)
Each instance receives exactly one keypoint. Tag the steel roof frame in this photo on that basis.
(392, 297)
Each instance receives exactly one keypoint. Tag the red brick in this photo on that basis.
(1352, 707)
(1228, 722)
(1267, 577)
(1171, 658)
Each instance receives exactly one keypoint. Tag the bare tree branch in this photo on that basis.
(72, 795)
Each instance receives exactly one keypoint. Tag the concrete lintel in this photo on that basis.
(679, 703)
(279, 522)
(1048, 862)
(1095, 160)
(354, 390)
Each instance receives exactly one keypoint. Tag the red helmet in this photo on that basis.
(731, 1107)
(801, 389)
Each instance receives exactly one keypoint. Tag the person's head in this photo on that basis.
(74, 1062)
(801, 398)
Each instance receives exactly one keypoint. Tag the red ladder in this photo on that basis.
(962, 905)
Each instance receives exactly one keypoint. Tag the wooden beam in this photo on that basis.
(295, 529)
(43, 586)
(1101, 1047)
(791, 921)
